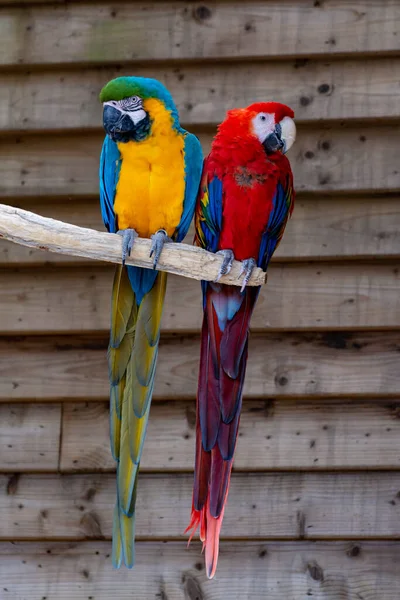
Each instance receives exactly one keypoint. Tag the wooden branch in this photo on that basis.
(27, 228)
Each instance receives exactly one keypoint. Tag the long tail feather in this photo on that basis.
(223, 358)
(137, 302)
(117, 552)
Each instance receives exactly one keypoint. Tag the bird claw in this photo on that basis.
(128, 237)
(226, 263)
(247, 268)
(158, 240)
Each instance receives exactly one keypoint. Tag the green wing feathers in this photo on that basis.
(132, 357)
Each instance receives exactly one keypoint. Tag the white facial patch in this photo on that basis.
(288, 132)
(136, 115)
(131, 107)
(263, 125)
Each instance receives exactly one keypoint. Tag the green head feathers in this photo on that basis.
(144, 87)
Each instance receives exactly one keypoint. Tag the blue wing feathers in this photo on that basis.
(276, 224)
(215, 198)
(110, 164)
(211, 214)
(193, 156)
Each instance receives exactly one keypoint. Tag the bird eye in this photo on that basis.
(131, 104)
(262, 117)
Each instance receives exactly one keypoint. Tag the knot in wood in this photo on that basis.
(202, 13)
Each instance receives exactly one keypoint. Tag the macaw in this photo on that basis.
(245, 198)
(150, 170)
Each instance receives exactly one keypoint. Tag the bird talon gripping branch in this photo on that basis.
(128, 238)
(248, 266)
(158, 240)
(226, 265)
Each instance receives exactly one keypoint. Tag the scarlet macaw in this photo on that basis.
(246, 196)
(150, 169)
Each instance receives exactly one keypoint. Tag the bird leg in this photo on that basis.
(128, 237)
(226, 263)
(158, 240)
(247, 268)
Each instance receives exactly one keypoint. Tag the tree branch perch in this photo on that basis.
(27, 228)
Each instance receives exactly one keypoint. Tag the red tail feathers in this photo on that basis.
(223, 358)
(210, 525)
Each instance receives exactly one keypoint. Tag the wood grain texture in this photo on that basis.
(29, 437)
(104, 33)
(301, 364)
(298, 296)
(67, 100)
(273, 435)
(318, 453)
(266, 506)
(27, 228)
(276, 570)
(321, 228)
(84, 213)
(338, 159)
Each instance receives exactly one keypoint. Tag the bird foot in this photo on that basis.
(247, 268)
(226, 263)
(128, 237)
(158, 240)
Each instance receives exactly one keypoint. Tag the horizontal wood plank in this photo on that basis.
(308, 364)
(308, 296)
(318, 90)
(290, 505)
(290, 570)
(320, 229)
(29, 437)
(273, 435)
(333, 160)
(104, 33)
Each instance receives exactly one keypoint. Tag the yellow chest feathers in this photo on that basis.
(151, 185)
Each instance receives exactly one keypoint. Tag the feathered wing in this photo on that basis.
(137, 302)
(223, 357)
(193, 169)
(208, 215)
(282, 207)
(110, 164)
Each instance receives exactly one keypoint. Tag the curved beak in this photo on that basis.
(116, 122)
(273, 142)
(288, 129)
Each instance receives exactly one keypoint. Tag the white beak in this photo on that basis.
(288, 132)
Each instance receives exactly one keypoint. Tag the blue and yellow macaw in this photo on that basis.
(150, 171)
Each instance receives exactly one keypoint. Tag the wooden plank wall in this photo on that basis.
(314, 509)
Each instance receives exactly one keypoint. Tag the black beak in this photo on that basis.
(273, 142)
(118, 126)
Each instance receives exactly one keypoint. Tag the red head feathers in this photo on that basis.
(252, 131)
(238, 120)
